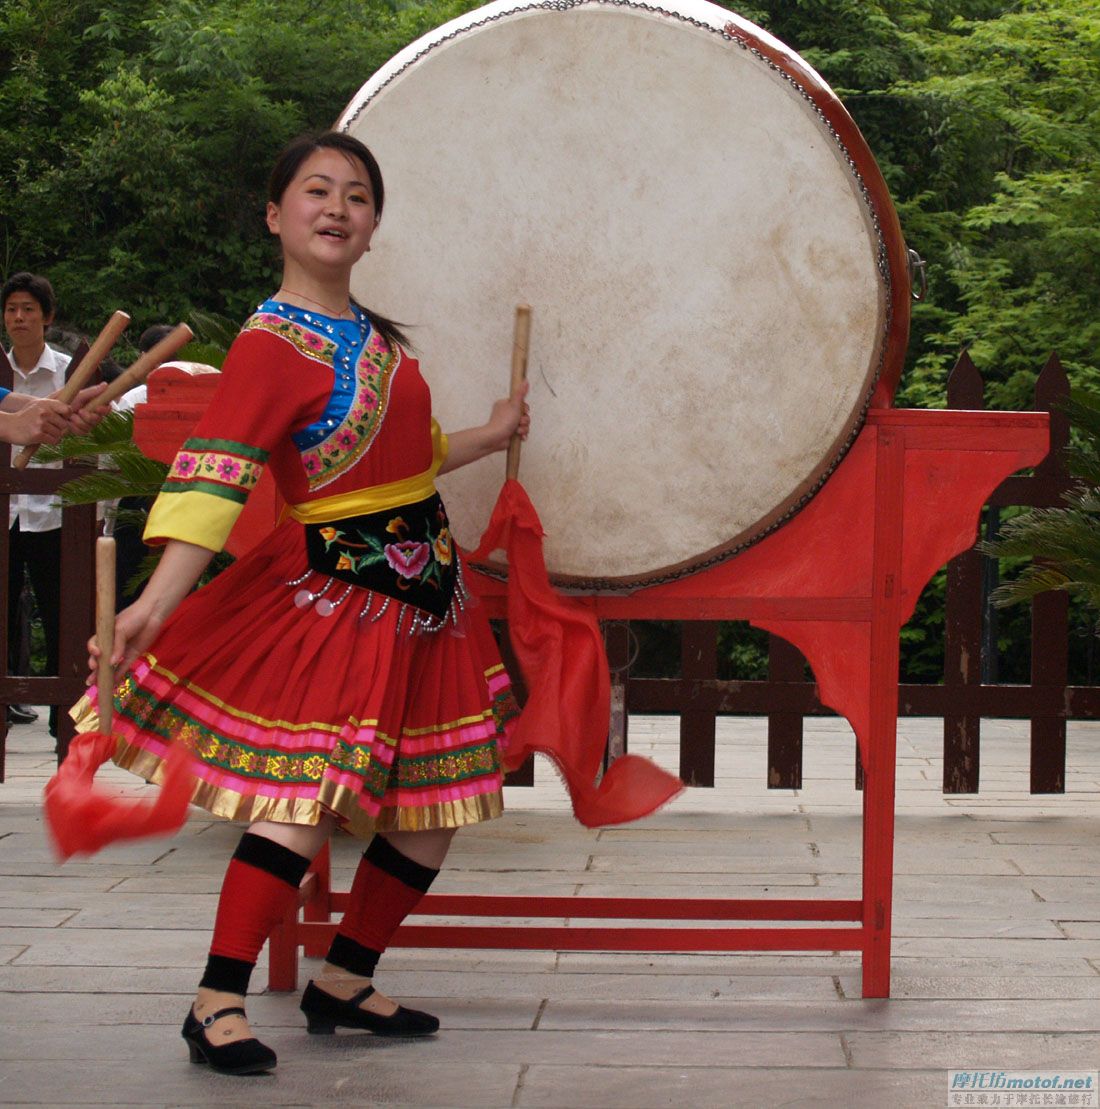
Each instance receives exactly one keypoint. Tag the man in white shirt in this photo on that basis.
(34, 521)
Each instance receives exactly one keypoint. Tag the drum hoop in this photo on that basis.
(881, 382)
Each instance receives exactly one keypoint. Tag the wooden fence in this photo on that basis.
(78, 532)
(698, 696)
(965, 695)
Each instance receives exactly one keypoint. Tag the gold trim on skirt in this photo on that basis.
(337, 800)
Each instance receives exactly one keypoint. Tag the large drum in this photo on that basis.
(718, 280)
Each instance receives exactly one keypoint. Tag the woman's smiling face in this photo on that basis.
(326, 216)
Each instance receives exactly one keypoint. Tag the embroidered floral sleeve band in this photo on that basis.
(219, 474)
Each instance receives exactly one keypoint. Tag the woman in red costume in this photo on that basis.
(333, 677)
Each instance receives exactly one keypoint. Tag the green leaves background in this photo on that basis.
(135, 136)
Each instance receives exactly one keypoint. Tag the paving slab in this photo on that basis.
(731, 1013)
(1078, 929)
(165, 911)
(1028, 988)
(931, 927)
(390, 1075)
(996, 955)
(1034, 1050)
(12, 916)
(628, 987)
(981, 966)
(995, 947)
(104, 947)
(720, 1086)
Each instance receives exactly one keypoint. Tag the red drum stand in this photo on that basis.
(838, 581)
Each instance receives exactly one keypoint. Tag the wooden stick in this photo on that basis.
(520, 341)
(82, 373)
(179, 336)
(105, 628)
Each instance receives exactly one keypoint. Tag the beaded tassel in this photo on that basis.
(303, 598)
(325, 607)
(419, 623)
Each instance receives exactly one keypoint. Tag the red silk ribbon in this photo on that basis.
(82, 819)
(560, 650)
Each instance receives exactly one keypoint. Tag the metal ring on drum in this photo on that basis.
(719, 282)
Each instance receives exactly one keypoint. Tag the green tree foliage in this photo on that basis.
(1017, 220)
(135, 136)
(119, 469)
(135, 139)
(1064, 541)
(984, 116)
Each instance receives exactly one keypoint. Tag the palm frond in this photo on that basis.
(132, 518)
(1064, 542)
(1083, 453)
(1083, 408)
(123, 470)
(214, 331)
(134, 467)
(1042, 579)
(1060, 537)
(209, 354)
(142, 574)
(1084, 465)
(1033, 580)
(103, 485)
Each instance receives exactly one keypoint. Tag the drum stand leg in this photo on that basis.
(620, 645)
(880, 751)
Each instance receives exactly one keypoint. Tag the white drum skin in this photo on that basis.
(710, 275)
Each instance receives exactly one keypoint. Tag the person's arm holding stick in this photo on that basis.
(73, 394)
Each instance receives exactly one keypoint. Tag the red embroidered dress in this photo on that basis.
(364, 687)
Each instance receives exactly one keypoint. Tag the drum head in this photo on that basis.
(707, 247)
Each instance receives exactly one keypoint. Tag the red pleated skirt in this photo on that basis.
(292, 714)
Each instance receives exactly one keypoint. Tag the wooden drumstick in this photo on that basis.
(179, 336)
(83, 373)
(520, 341)
(105, 628)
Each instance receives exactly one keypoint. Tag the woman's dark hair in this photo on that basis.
(290, 161)
(38, 287)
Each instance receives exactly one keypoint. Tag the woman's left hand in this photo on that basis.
(509, 416)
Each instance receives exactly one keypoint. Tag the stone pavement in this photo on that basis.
(996, 960)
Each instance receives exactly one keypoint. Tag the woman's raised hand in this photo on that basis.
(509, 416)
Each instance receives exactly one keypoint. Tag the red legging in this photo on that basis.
(387, 887)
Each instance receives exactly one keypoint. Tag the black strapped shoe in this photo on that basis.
(325, 1013)
(239, 1057)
